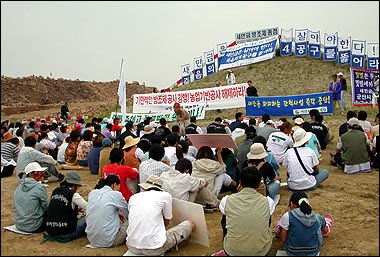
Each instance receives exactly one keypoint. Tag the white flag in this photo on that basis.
(121, 92)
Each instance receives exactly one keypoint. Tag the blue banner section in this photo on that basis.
(210, 68)
(198, 74)
(289, 105)
(344, 58)
(248, 53)
(300, 49)
(286, 49)
(330, 53)
(185, 80)
(314, 51)
(373, 63)
(357, 61)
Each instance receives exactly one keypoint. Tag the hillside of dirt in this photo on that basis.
(42, 97)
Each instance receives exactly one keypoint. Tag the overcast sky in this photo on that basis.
(87, 40)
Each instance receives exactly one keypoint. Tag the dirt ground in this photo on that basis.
(353, 201)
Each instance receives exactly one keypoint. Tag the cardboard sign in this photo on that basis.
(183, 210)
(212, 140)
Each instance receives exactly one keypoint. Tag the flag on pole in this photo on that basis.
(121, 92)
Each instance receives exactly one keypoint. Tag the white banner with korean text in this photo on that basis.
(224, 97)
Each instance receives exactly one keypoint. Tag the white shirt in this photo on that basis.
(179, 185)
(298, 178)
(278, 143)
(230, 78)
(151, 167)
(61, 152)
(170, 152)
(146, 229)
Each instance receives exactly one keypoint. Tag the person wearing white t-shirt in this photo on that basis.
(298, 178)
(230, 78)
(279, 142)
(150, 212)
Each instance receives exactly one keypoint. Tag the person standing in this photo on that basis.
(64, 112)
(343, 92)
(251, 90)
(230, 78)
(335, 87)
(183, 118)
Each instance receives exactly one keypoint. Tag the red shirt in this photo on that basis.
(123, 172)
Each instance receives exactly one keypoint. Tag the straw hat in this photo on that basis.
(130, 141)
(148, 129)
(257, 151)
(300, 137)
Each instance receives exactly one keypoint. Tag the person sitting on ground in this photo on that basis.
(270, 157)
(267, 129)
(65, 204)
(352, 146)
(10, 149)
(344, 128)
(106, 214)
(155, 165)
(300, 229)
(280, 141)
(244, 147)
(256, 157)
(217, 127)
(72, 148)
(302, 164)
(84, 147)
(163, 129)
(128, 176)
(150, 212)
(238, 135)
(94, 154)
(171, 149)
(179, 182)
(104, 155)
(127, 132)
(132, 154)
(246, 218)
(214, 172)
(238, 120)
(321, 131)
(364, 123)
(29, 154)
(30, 200)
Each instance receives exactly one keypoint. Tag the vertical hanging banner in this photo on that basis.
(286, 42)
(221, 51)
(372, 56)
(344, 51)
(330, 52)
(300, 42)
(358, 53)
(314, 39)
(185, 69)
(362, 86)
(210, 62)
(198, 68)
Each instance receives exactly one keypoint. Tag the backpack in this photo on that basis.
(216, 128)
(191, 129)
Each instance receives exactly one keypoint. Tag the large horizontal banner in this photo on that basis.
(362, 86)
(231, 96)
(248, 53)
(290, 105)
(198, 112)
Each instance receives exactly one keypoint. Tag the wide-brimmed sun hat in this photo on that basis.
(257, 151)
(300, 137)
(152, 182)
(130, 141)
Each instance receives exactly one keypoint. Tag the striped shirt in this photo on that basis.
(9, 151)
(152, 167)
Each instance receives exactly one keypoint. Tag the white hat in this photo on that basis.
(269, 122)
(353, 121)
(34, 166)
(300, 137)
(340, 74)
(152, 182)
(148, 129)
(257, 151)
(298, 121)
